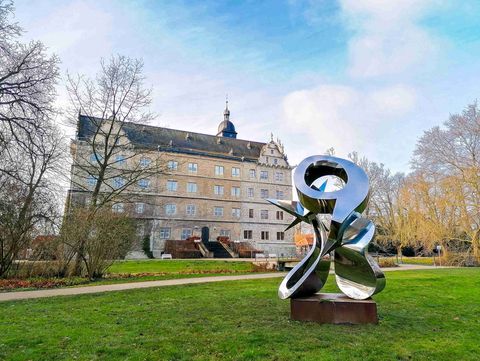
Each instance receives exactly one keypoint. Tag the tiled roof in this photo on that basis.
(179, 141)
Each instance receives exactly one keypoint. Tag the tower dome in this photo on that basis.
(226, 127)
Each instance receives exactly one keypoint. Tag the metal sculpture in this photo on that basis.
(340, 231)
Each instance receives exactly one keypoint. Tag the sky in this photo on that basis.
(356, 75)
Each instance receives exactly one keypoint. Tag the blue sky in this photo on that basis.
(364, 75)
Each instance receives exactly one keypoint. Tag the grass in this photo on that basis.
(425, 261)
(138, 271)
(179, 266)
(424, 315)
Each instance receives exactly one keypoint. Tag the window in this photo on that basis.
(218, 190)
(165, 233)
(118, 208)
(92, 181)
(250, 192)
(219, 170)
(236, 212)
(271, 151)
(120, 160)
(279, 194)
(172, 165)
(280, 236)
(264, 193)
(235, 172)
(280, 215)
(250, 213)
(118, 182)
(235, 191)
(170, 209)
(144, 162)
(192, 187)
(192, 167)
(139, 208)
(264, 214)
(218, 211)
(275, 161)
(224, 233)
(247, 234)
(264, 175)
(144, 183)
(172, 185)
(93, 158)
(186, 232)
(191, 210)
(279, 176)
(251, 172)
(264, 235)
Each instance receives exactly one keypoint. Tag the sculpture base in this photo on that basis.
(333, 308)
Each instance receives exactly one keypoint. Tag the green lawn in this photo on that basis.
(139, 271)
(180, 266)
(425, 261)
(424, 315)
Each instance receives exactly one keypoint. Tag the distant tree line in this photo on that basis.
(438, 203)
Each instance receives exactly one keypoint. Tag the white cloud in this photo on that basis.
(344, 117)
(388, 39)
(394, 100)
(369, 110)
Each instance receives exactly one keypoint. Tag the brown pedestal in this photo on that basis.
(333, 308)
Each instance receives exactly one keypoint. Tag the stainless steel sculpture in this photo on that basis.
(340, 231)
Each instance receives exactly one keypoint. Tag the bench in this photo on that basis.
(166, 256)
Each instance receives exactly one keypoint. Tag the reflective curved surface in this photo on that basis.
(345, 240)
(309, 275)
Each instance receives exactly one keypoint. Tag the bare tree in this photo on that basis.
(106, 164)
(449, 159)
(109, 237)
(27, 80)
(30, 147)
(28, 192)
(105, 155)
(383, 204)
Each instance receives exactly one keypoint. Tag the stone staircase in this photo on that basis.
(217, 249)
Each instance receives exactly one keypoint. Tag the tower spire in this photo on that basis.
(226, 127)
(226, 113)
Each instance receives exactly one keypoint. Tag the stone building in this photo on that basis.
(214, 185)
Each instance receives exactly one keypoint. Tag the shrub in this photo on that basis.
(387, 262)
(146, 246)
(98, 237)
